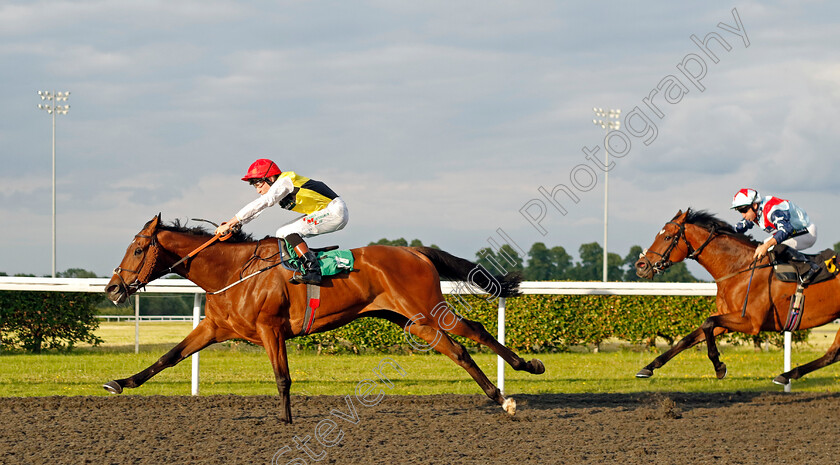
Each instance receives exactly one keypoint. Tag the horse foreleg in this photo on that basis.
(708, 328)
(475, 331)
(726, 322)
(200, 337)
(831, 356)
(695, 337)
(275, 345)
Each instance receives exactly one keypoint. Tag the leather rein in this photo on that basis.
(665, 258)
(143, 273)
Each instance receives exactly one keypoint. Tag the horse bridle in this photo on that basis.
(665, 258)
(144, 271)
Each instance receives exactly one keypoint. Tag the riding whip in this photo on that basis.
(749, 284)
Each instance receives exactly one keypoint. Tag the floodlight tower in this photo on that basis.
(608, 120)
(53, 109)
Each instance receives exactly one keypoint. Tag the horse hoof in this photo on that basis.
(721, 373)
(537, 366)
(113, 387)
(510, 406)
(781, 380)
(644, 373)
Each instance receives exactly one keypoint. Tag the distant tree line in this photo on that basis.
(555, 264)
(69, 273)
(150, 304)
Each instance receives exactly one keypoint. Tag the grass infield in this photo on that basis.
(244, 369)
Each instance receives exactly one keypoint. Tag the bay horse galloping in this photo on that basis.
(728, 257)
(399, 284)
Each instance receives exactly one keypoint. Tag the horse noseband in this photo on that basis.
(665, 262)
(662, 265)
(144, 271)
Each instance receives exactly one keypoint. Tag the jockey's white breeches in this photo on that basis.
(331, 218)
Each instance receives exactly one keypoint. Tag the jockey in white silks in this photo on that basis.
(787, 223)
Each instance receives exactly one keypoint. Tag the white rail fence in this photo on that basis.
(145, 318)
(183, 286)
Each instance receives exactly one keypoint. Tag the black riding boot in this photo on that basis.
(797, 256)
(797, 301)
(309, 262)
(311, 269)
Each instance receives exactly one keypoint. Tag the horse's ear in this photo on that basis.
(153, 223)
(681, 215)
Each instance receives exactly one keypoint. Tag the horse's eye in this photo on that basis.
(667, 238)
(138, 251)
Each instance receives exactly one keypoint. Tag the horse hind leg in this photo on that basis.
(442, 343)
(831, 356)
(200, 337)
(475, 331)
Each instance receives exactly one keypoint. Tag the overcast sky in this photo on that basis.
(439, 120)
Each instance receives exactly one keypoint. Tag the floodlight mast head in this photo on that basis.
(53, 97)
(609, 116)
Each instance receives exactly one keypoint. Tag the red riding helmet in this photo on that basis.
(261, 169)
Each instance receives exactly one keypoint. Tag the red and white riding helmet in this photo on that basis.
(745, 197)
(262, 169)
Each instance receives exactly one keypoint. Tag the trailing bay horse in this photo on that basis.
(399, 284)
(728, 257)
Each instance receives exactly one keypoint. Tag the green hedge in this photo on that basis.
(34, 321)
(538, 323)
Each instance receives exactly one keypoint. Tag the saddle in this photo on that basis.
(790, 272)
(331, 260)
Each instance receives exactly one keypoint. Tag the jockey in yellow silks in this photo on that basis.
(324, 211)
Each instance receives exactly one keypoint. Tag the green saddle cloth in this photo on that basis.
(335, 262)
(332, 262)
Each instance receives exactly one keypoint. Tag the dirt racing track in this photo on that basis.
(649, 428)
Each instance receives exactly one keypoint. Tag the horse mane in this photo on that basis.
(710, 222)
(201, 231)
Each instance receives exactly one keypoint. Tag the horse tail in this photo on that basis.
(454, 268)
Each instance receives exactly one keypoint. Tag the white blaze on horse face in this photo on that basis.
(661, 232)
